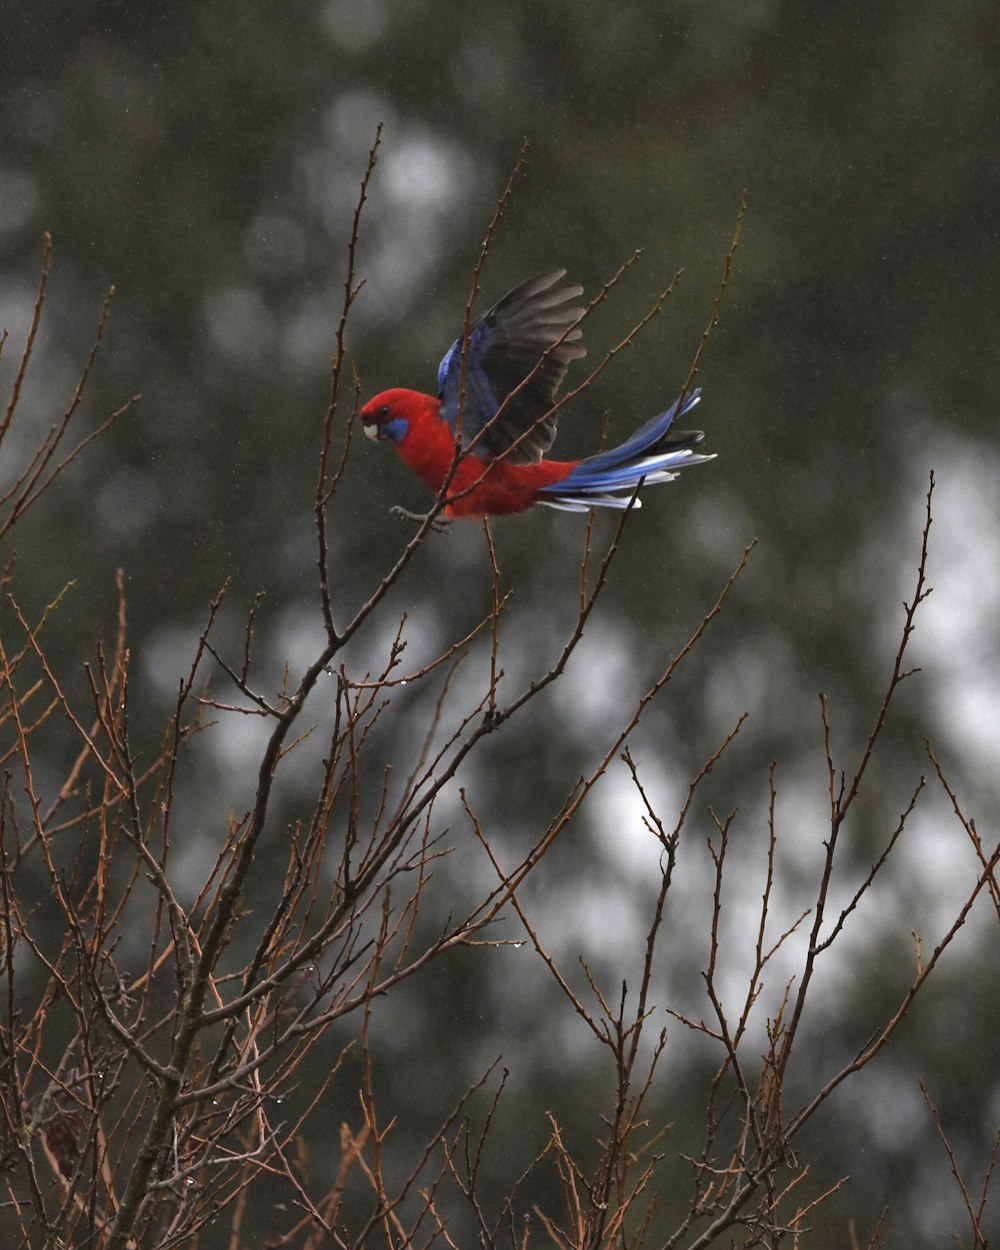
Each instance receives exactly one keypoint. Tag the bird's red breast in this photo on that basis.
(427, 448)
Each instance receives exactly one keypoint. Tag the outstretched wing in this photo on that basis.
(505, 347)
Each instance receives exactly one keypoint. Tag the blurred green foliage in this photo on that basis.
(204, 159)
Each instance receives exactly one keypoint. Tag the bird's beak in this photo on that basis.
(372, 432)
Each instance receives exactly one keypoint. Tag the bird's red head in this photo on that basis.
(389, 415)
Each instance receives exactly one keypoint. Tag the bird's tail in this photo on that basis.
(654, 453)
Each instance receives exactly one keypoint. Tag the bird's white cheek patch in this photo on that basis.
(372, 432)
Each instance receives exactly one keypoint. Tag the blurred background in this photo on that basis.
(205, 159)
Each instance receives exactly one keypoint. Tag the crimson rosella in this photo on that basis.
(516, 360)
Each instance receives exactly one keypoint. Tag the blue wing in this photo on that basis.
(505, 347)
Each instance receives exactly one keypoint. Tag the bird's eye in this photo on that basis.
(384, 410)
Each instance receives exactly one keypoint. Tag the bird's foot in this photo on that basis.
(438, 525)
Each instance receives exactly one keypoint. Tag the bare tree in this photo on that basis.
(161, 1102)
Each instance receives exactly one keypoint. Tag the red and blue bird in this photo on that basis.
(515, 362)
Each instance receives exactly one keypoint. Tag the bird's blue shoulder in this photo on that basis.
(480, 401)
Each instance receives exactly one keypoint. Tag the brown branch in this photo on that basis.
(29, 344)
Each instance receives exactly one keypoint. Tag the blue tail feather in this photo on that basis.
(651, 454)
